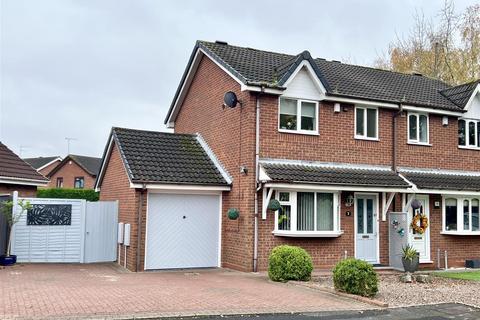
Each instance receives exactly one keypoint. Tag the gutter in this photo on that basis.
(394, 137)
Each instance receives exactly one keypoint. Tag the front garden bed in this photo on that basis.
(398, 294)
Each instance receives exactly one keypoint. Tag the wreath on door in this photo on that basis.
(419, 223)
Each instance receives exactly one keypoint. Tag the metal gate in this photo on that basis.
(66, 230)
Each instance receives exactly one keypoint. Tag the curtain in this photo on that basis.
(475, 214)
(305, 211)
(372, 123)
(324, 212)
(423, 128)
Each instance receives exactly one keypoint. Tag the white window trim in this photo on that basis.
(299, 115)
(460, 223)
(293, 232)
(467, 134)
(417, 140)
(364, 135)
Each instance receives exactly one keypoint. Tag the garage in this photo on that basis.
(183, 231)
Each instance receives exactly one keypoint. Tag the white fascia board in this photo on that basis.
(470, 100)
(312, 73)
(440, 171)
(47, 164)
(433, 111)
(103, 165)
(23, 181)
(448, 192)
(214, 158)
(294, 186)
(178, 187)
(325, 164)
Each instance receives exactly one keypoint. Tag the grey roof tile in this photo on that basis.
(460, 94)
(39, 161)
(445, 181)
(160, 157)
(257, 66)
(11, 166)
(325, 175)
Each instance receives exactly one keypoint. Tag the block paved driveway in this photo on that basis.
(47, 291)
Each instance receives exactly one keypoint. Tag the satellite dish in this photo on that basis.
(230, 99)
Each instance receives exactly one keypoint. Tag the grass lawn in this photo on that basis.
(464, 275)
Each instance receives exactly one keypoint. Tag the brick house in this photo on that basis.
(75, 171)
(352, 154)
(43, 164)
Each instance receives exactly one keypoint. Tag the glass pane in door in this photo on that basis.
(360, 216)
(370, 216)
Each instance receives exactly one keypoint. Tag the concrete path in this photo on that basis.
(48, 291)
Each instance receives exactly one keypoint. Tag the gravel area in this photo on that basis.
(399, 294)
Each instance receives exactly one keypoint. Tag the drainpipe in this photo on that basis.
(394, 137)
(257, 184)
(139, 227)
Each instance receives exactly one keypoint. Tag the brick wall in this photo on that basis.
(23, 191)
(68, 172)
(231, 135)
(116, 186)
(49, 168)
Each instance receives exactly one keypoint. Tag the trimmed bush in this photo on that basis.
(289, 263)
(63, 193)
(356, 277)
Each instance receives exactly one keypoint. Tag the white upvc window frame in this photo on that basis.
(299, 116)
(364, 136)
(417, 141)
(460, 215)
(467, 134)
(293, 232)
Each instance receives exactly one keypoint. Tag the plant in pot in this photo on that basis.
(410, 258)
(7, 209)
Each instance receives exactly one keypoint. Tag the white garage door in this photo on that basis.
(182, 231)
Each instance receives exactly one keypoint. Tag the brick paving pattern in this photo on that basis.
(48, 291)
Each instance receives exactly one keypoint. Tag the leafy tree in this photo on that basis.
(448, 49)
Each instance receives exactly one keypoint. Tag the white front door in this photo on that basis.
(421, 242)
(366, 247)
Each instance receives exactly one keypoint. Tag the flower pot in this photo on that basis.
(411, 265)
(8, 260)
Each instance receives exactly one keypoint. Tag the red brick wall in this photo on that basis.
(68, 172)
(116, 186)
(49, 168)
(23, 191)
(231, 135)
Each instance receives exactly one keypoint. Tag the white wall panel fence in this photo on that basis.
(66, 230)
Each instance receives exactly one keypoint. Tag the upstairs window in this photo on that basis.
(79, 183)
(366, 123)
(298, 116)
(418, 128)
(469, 133)
(60, 182)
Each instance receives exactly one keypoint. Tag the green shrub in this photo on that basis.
(63, 193)
(289, 263)
(356, 277)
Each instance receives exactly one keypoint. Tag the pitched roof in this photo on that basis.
(160, 157)
(333, 175)
(443, 181)
(91, 165)
(40, 161)
(461, 94)
(254, 66)
(15, 169)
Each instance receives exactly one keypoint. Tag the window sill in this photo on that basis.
(308, 234)
(422, 144)
(366, 139)
(469, 148)
(307, 133)
(461, 233)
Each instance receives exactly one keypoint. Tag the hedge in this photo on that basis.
(356, 277)
(289, 263)
(63, 193)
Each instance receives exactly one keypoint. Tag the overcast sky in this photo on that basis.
(77, 68)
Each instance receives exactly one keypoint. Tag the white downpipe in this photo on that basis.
(257, 188)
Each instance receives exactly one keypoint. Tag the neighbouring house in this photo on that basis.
(17, 175)
(43, 164)
(75, 171)
(352, 154)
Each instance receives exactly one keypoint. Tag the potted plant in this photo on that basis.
(12, 218)
(410, 258)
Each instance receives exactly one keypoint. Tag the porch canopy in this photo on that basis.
(442, 181)
(302, 175)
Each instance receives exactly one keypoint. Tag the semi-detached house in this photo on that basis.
(340, 147)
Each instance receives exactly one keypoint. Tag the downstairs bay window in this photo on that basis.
(461, 215)
(307, 214)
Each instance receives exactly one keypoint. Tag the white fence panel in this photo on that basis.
(101, 231)
(50, 243)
